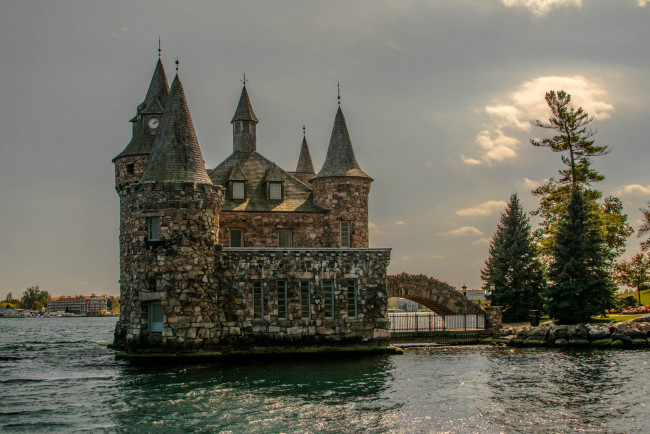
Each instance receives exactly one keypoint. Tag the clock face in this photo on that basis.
(153, 123)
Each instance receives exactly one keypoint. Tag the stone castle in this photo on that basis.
(245, 256)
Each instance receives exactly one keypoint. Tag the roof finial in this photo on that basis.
(304, 133)
(177, 62)
(159, 46)
(244, 80)
(338, 91)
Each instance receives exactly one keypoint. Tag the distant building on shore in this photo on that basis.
(81, 305)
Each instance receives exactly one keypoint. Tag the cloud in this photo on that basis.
(463, 231)
(542, 7)
(399, 223)
(406, 258)
(121, 32)
(374, 228)
(436, 257)
(481, 241)
(509, 118)
(632, 189)
(528, 183)
(642, 2)
(486, 208)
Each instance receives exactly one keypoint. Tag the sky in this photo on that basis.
(438, 96)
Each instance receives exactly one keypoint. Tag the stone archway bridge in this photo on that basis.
(438, 296)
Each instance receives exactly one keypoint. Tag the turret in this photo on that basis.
(131, 162)
(244, 124)
(343, 188)
(171, 225)
(305, 168)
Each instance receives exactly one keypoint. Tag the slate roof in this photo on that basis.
(340, 160)
(244, 110)
(305, 164)
(176, 155)
(154, 102)
(257, 169)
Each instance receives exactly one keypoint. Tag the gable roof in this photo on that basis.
(176, 155)
(340, 160)
(257, 169)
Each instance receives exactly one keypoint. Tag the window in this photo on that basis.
(130, 169)
(328, 298)
(284, 238)
(258, 300)
(305, 299)
(275, 191)
(236, 238)
(155, 317)
(281, 285)
(153, 228)
(345, 234)
(238, 190)
(237, 127)
(350, 290)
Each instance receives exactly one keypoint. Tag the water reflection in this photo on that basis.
(277, 395)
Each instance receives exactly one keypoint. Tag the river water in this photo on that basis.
(56, 375)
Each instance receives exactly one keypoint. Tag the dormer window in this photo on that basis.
(237, 190)
(275, 191)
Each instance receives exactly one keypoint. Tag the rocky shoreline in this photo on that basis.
(630, 334)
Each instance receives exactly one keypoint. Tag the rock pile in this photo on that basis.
(634, 333)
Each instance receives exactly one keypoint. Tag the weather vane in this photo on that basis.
(177, 62)
(338, 91)
(303, 130)
(244, 80)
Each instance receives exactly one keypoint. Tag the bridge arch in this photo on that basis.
(438, 296)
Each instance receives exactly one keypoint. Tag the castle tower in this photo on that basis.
(131, 162)
(244, 124)
(169, 230)
(343, 188)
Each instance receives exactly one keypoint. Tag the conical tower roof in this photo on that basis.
(176, 155)
(305, 164)
(340, 160)
(158, 88)
(154, 102)
(244, 110)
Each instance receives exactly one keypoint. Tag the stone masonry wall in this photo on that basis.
(122, 176)
(347, 200)
(260, 228)
(240, 268)
(178, 270)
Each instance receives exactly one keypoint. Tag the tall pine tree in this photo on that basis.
(580, 286)
(513, 271)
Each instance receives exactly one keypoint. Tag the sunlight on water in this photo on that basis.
(56, 374)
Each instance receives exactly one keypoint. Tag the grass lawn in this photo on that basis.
(645, 296)
(613, 318)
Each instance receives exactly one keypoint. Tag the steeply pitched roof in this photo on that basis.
(297, 197)
(236, 174)
(305, 164)
(340, 160)
(176, 155)
(154, 102)
(244, 110)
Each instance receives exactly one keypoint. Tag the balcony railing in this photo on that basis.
(432, 322)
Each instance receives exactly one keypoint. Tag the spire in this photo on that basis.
(244, 110)
(154, 103)
(340, 160)
(305, 164)
(158, 88)
(176, 155)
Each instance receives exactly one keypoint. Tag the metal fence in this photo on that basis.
(432, 322)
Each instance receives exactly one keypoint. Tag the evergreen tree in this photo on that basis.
(573, 136)
(513, 271)
(580, 286)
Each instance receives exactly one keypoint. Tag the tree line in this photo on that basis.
(569, 265)
(36, 298)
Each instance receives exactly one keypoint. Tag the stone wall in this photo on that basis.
(178, 269)
(347, 200)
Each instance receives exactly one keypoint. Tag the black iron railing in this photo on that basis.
(432, 322)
